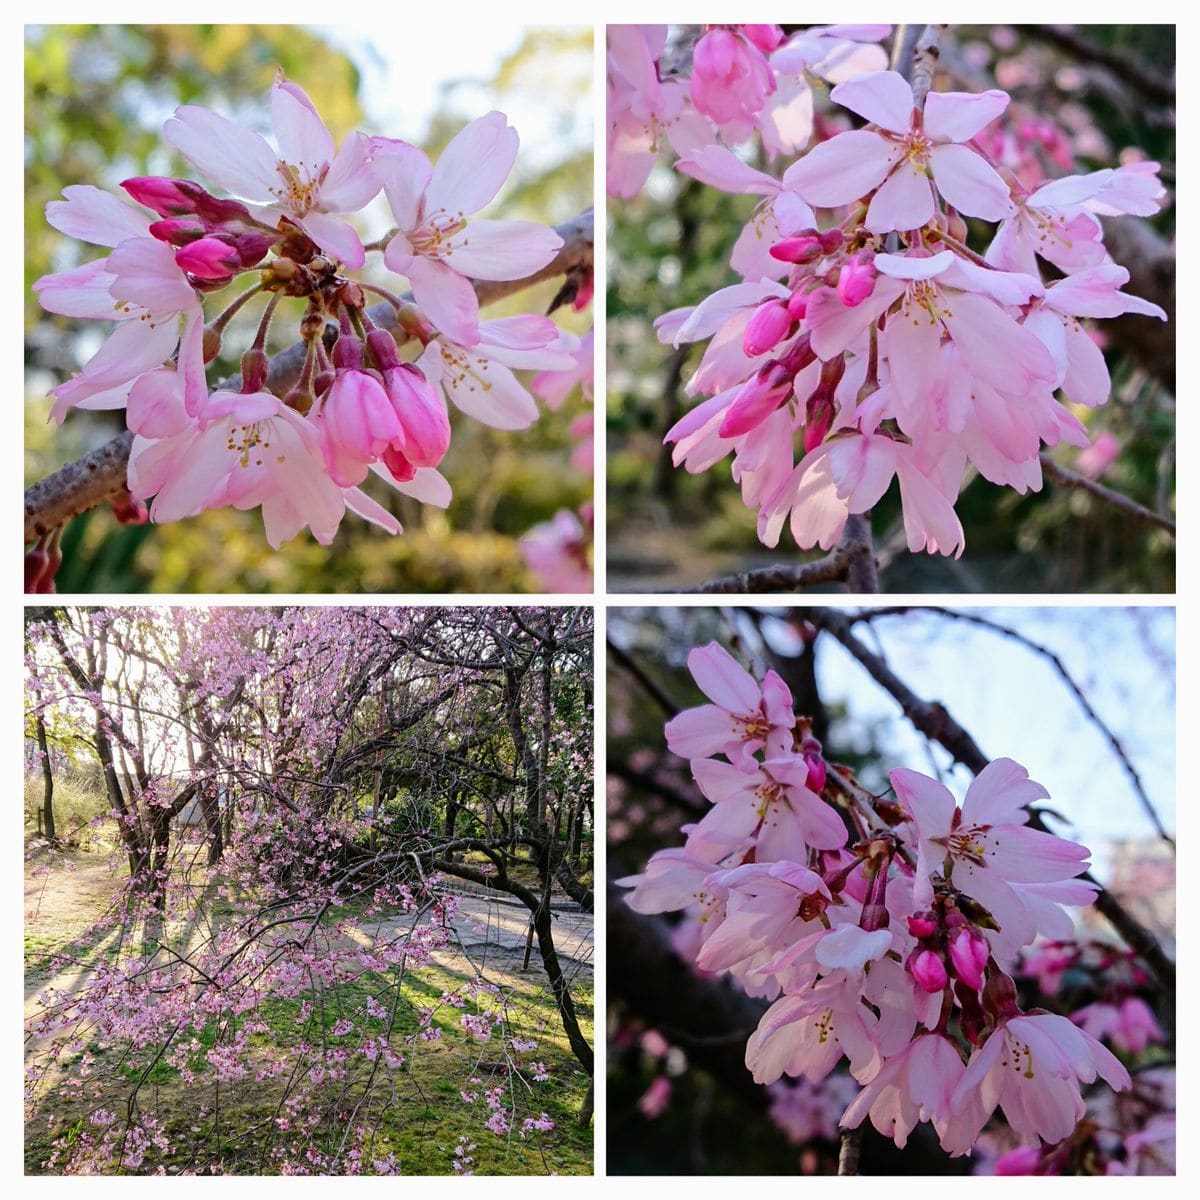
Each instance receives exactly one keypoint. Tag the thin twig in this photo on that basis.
(829, 569)
(1067, 37)
(1069, 683)
(88, 482)
(649, 686)
(932, 719)
(1073, 479)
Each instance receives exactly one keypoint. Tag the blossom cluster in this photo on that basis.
(884, 931)
(355, 406)
(866, 330)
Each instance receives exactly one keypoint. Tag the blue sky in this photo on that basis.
(1015, 705)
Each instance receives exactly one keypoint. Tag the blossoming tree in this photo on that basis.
(263, 236)
(909, 957)
(922, 287)
(306, 807)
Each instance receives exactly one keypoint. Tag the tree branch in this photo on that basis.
(1141, 78)
(932, 719)
(1073, 479)
(98, 476)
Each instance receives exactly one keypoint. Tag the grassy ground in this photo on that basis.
(419, 1116)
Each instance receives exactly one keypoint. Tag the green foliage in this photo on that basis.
(96, 97)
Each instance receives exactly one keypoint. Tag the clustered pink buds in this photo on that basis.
(357, 411)
(893, 947)
(936, 359)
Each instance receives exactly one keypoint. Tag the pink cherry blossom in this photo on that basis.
(304, 178)
(435, 246)
(906, 151)
(916, 1085)
(742, 716)
(1031, 1067)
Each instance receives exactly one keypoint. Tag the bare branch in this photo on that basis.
(932, 719)
(1069, 478)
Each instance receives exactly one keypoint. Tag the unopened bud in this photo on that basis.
(165, 196)
(819, 409)
(209, 258)
(856, 279)
(212, 344)
(923, 924)
(929, 971)
(769, 325)
(177, 231)
(757, 399)
(255, 369)
(765, 37)
(969, 954)
(797, 305)
(803, 248)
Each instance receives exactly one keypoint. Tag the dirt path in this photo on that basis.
(64, 903)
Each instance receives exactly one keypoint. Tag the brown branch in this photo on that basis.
(1069, 683)
(1074, 479)
(1128, 70)
(849, 1150)
(90, 481)
(932, 719)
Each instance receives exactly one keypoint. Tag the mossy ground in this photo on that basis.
(419, 1116)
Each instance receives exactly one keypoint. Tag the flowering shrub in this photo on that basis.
(897, 935)
(915, 296)
(298, 438)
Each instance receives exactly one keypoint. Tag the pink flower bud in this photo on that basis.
(209, 258)
(819, 409)
(803, 248)
(929, 971)
(358, 423)
(856, 280)
(769, 325)
(422, 415)
(177, 231)
(165, 196)
(969, 953)
(758, 398)
(797, 305)
(765, 37)
(922, 925)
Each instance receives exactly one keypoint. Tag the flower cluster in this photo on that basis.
(881, 930)
(866, 328)
(300, 447)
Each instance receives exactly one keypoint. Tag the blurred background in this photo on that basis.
(95, 101)
(1088, 97)
(1006, 676)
